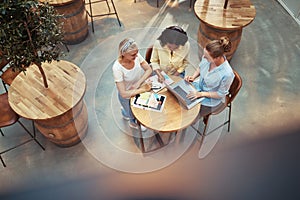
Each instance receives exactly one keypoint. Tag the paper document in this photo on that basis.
(156, 85)
(149, 101)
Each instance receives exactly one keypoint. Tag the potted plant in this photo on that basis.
(30, 33)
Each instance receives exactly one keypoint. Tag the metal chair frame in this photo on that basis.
(110, 12)
(148, 54)
(2, 66)
(32, 135)
(233, 91)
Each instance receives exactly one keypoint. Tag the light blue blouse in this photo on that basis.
(217, 80)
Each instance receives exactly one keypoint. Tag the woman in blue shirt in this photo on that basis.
(215, 76)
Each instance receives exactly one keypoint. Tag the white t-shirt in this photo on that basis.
(128, 76)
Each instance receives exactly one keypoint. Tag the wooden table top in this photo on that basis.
(239, 13)
(30, 99)
(57, 2)
(173, 117)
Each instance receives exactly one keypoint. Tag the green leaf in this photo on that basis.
(26, 27)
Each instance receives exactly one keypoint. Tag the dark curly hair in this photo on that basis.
(173, 35)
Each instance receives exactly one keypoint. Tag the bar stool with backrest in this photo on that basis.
(148, 54)
(92, 15)
(7, 74)
(3, 65)
(7, 118)
(233, 91)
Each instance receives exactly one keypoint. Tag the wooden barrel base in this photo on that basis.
(75, 20)
(74, 140)
(208, 33)
(68, 129)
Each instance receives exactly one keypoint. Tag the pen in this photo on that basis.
(155, 87)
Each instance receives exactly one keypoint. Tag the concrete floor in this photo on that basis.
(256, 160)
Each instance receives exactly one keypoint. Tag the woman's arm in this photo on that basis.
(185, 61)
(222, 90)
(132, 92)
(148, 71)
(155, 57)
(161, 78)
(194, 76)
(195, 95)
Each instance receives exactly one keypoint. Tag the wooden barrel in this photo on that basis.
(217, 20)
(75, 19)
(208, 33)
(67, 129)
(58, 111)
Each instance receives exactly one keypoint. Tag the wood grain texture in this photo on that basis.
(30, 99)
(58, 2)
(67, 129)
(173, 117)
(239, 13)
(75, 21)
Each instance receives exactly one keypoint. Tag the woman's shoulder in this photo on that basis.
(203, 61)
(139, 58)
(117, 65)
(187, 44)
(157, 44)
(228, 71)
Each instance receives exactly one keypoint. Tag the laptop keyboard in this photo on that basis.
(183, 94)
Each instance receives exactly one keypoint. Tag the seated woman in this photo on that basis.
(215, 74)
(170, 52)
(130, 71)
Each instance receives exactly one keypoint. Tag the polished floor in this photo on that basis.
(257, 159)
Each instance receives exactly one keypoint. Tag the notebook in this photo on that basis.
(180, 90)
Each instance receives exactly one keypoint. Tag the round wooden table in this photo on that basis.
(174, 117)
(216, 21)
(58, 111)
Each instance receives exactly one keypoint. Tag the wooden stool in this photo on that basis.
(7, 118)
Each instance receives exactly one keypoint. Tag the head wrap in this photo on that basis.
(127, 45)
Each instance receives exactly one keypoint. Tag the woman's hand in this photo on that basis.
(146, 87)
(194, 95)
(161, 78)
(189, 78)
(176, 73)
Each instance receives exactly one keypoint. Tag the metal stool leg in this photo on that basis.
(110, 12)
(34, 134)
(116, 12)
(229, 118)
(90, 14)
(4, 165)
(4, 85)
(108, 5)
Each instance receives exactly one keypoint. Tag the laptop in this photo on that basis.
(180, 90)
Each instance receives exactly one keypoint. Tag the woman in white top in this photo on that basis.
(130, 71)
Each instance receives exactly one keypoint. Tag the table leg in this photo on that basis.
(141, 137)
(161, 143)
